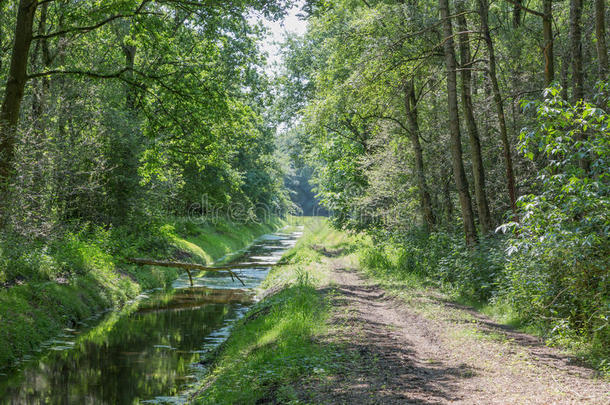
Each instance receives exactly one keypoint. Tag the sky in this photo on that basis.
(277, 30)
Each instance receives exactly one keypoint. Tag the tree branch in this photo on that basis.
(90, 28)
(522, 7)
(95, 75)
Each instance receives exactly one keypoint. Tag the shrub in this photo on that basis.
(557, 275)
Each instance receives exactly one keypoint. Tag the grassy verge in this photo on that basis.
(287, 342)
(46, 286)
(278, 342)
(410, 271)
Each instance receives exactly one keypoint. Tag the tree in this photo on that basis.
(13, 95)
(576, 49)
(600, 37)
(144, 74)
(414, 134)
(459, 174)
(466, 66)
(497, 97)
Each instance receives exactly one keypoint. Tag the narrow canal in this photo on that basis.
(150, 352)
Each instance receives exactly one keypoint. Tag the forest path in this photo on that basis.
(424, 350)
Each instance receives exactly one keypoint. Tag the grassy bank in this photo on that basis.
(277, 342)
(49, 285)
(478, 278)
(288, 342)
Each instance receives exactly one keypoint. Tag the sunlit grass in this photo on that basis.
(278, 341)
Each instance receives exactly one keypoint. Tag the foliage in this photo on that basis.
(558, 268)
(441, 259)
(373, 156)
(155, 107)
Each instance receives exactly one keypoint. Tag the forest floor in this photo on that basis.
(326, 332)
(420, 348)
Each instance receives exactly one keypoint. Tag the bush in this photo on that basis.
(557, 275)
(441, 258)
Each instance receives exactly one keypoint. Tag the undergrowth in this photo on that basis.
(519, 290)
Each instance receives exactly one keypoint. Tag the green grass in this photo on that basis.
(399, 271)
(55, 284)
(278, 342)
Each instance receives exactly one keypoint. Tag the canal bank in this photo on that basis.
(67, 284)
(277, 342)
(151, 351)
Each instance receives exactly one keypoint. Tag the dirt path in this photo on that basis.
(432, 352)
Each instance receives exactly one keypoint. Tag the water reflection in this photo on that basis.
(150, 351)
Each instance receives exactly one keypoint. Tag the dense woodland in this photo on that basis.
(117, 109)
(469, 138)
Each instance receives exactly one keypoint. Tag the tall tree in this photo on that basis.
(414, 133)
(13, 96)
(454, 125)
(88, 22)
(473, 132)
(497, 97)
(576, 49)
(547, 35)
(517, 13)
(600, 37)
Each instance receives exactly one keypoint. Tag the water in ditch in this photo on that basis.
(151, 351)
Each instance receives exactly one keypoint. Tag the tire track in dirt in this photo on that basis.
(449, 355)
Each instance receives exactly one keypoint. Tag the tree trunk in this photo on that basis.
(578, 92)
(426, 201)
(547, 33)
(124, 179)
(576, 49)
(447, 203)
(454, 126)
(508, 160)
(600, 34)
(13, 95)
(471, 125)
(565, 84)
(517, 13)
(130, 56)
(41, 85)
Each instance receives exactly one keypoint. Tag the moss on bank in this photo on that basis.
(46, 286)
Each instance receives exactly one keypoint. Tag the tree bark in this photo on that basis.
(565, 84)
(578, 92)
(41, 85)
(447, 203)
(576, 49)
(600, 34)
(517, 13)
(471, 125)
(547, 33)
(454, 126)
(13, 95)
(130, 56)
(508, 160)
(425, 200)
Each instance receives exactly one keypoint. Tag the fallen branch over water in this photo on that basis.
(192, 266)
